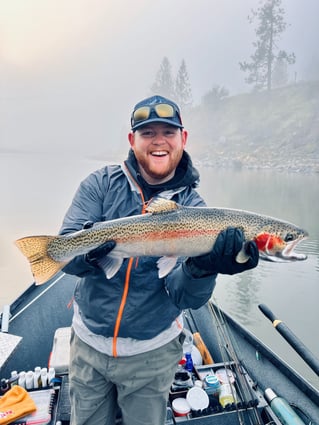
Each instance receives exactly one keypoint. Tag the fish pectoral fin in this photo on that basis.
(111, 265)
(165, 265)
(242, 256)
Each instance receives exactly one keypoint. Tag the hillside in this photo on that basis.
(278, 130)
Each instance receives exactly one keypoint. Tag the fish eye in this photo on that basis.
(289, 237)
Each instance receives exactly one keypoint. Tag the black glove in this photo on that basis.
(101, 251)
(222, 258)
(93, 257)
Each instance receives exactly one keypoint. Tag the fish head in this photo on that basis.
(279, 246)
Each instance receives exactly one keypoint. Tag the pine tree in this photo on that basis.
(164, 83)
(271, 25)
(183, 90)
(280, 72)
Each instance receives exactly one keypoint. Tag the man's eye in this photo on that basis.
(169, 133)
(147, 133)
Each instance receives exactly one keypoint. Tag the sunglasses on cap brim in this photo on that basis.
(162, 110)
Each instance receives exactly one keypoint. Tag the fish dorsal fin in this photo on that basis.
(161, 205)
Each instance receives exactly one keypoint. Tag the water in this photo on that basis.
(37, 189)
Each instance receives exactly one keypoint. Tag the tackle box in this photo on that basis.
(250, 401)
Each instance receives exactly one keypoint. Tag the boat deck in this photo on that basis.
(41, 310)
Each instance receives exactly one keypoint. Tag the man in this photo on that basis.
(126, 333)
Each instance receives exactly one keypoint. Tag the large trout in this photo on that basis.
(167, 230)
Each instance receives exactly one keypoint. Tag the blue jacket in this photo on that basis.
(136, 304)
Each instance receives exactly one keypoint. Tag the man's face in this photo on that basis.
(158, 148)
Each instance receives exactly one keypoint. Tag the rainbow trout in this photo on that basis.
(168, 231)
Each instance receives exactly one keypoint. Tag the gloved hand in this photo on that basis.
(93, 257)
(84, 264)
(101, 251)
(222, 258)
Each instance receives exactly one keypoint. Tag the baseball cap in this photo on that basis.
(156, 109)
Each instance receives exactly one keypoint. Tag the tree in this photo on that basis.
(280, 73)
(183, 89)
(271, 25)
(164, 83)
(215, 96)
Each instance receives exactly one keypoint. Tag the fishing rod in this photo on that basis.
(193, 327)
(227, 348)
(291, 338)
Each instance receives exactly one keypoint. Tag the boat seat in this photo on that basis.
(60, 355)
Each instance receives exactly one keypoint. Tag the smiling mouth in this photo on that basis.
(159, 153)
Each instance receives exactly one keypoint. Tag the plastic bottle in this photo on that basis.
(44, 377)
(37, 377)
(182, 379)
(282, 409)
(14, 378)
(188, 342)
(198, 383)
(29, 380)
(51, 374)
(227, 394)
(189, 366)
(21, 380)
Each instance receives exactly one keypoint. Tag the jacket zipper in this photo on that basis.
(127, 278)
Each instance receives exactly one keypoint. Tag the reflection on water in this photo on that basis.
(36, 191)
(240, 295)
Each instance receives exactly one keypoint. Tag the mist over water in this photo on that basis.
(70, 72)
(37, 190)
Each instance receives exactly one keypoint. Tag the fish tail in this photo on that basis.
(43, 267)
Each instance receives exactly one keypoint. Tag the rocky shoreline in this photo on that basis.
(307, 164)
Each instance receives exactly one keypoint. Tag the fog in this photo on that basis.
(70, 73)
(71, 70)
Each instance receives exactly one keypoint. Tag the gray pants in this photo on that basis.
(139, 384)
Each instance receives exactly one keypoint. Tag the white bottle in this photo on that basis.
(22, 378)
(37, 377)
(44, 377)
(14, 378)
(29, 380)
(51, 375)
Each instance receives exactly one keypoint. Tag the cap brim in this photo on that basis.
(163, 120)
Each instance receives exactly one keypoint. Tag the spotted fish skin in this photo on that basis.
(166, 230)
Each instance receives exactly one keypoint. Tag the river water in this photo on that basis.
(36, 190)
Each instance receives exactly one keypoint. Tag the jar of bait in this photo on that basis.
(212, 385)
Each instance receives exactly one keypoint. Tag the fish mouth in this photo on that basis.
(287, 254)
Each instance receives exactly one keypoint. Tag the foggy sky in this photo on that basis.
(71, 70)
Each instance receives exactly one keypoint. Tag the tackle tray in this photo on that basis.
(250, 399)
